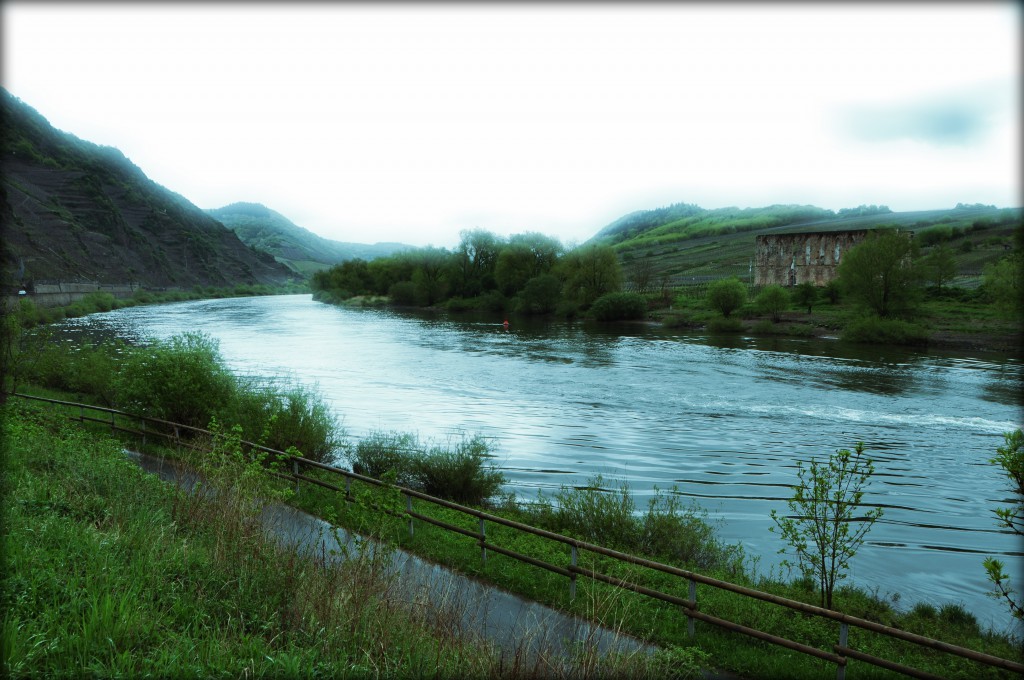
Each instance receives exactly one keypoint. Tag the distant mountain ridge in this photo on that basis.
(300, 249)
(77, 211)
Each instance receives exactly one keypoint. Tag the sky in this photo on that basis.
(413, 122)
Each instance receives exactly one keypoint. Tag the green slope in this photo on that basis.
(302, 250)
(687, 243)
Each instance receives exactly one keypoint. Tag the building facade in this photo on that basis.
(792, 259)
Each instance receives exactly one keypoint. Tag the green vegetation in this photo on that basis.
(879, 331)
(528, 273)
(726, 296)
(669, 532)
(825, 503)
(880, 273)
(462, 473)
(1010, 457)
(619, 307)
(79, 211)
(111, 573)
(772, 300)
(183, 380)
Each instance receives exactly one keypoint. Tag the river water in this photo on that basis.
(724, 420)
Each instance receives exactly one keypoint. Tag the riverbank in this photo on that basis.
(112, 573)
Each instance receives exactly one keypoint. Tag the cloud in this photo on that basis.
(952, 119)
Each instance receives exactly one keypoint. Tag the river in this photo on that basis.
(725, 420)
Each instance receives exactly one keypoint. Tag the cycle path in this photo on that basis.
(523, 631)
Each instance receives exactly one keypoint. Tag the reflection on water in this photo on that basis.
(724, 419)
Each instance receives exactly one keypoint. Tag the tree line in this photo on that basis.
(527, 273)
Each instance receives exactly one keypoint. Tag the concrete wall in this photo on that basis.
(792, 259)
(59, 294)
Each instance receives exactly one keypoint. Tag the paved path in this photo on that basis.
(520, 628)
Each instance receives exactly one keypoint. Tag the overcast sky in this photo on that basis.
(412, 122)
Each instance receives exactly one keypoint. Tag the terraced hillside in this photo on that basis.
(688, 244)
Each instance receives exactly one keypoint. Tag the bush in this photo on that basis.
(876, 330)
(461, 474)
(403, 293)
(619, 307)
(182, 380)
(773, 300)
(724, 325)
(726, 295)
(382, 453)
(297, 417)
(668, 529)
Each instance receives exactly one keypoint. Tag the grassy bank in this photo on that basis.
(111, 573)
(182, 377)
(950, 319)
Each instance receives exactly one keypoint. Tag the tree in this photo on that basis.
(590, 272)
(880, 273)
(641, 273)
(474, 260)
(825, 531)
(940, 265)
(525, 256)
(1011, 459)
(727, 295)
(429, 275)
(540, 295)
(773, 300)
(805, 295)
(1002, 281)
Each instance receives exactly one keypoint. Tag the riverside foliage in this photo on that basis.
(527, 273)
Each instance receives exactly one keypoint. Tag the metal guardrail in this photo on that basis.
(840, 654)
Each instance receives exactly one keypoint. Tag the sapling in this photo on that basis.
(826, 528)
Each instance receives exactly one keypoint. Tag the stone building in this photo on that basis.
(792, 259)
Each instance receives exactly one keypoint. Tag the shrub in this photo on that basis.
(667, 530)
(805, 295)
(619, 307)
(724, 325)
(296, 417)
(773, 300)
(876, 330)
(461, 474)
(726, 295)
(182, 380)
(403, 293)
(381, 453)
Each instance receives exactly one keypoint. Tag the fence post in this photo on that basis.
(408, 510)
(844, 631)
(295, 473)
(143, 433)
(483, 540)
(572, 576)
(348, 489)
(693, 601)
(112, 427)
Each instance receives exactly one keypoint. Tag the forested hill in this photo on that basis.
(290, 244)
(75, 211)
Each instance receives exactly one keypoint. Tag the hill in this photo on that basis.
(77, 211)
(686, 243)
(298, 248)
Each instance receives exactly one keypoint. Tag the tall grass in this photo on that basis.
(460, 472)
(109, 572)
